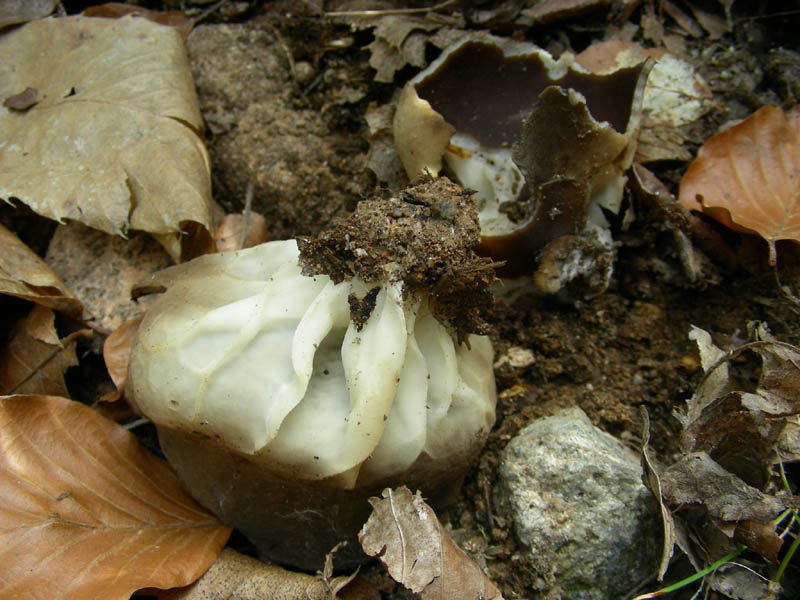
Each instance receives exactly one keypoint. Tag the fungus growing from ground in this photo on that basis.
(291, 381)
(544, 143)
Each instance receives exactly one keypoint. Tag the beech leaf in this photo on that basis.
(19, 11)
(746, 177)
(115, 141)
(86, 513)
(34, 359)
(115, 10)
(24, 275)
(234, 575)
(404, 533)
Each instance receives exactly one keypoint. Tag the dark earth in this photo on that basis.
(285, 94)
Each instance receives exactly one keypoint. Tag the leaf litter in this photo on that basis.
(235, 575)
(405, 535)
(785, 381)
(729, 442)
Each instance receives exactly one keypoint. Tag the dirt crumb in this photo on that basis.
(361, 308)
(423, 237)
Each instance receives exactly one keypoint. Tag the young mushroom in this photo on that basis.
(291, 381)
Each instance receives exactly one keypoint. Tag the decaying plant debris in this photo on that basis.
(425, 238)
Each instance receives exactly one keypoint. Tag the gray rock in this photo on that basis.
(574, 493)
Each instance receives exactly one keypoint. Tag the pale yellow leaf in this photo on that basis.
(19, 11)
(237, 577)
(115, 141)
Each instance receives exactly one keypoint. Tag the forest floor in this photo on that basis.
(286, 93)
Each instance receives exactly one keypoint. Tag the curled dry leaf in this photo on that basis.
(24, 275)
(399, 41)
(34, 359)
(87, 513)
(653, 482)
(697, 479)
(746, 177)
(234, 575)
(761, 537)
(116, 134)
(404, 533)
(549, 11)
(115, 10)
(117, 354)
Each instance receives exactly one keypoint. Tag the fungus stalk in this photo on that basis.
(291, 381)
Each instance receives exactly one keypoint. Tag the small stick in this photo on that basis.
(396, 11)
(248, 210)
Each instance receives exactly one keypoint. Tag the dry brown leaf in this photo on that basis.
(117, 353)
(115, 10)
(87, 513)
(684, 21)
(652, 480)
(239, 577)
(34, 359)
(102, 270)
(715, 25)
(549, 11)
(759, 537)
(730, 439)
(19, 11)
(115, 141)
(404, 533)
(746, 177)
(697, 479)
(24, 275)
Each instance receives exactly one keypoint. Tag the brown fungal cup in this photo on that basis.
(544, 142)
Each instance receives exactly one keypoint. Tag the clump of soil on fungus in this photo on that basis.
(424, 236)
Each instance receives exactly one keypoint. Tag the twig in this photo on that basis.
(212, 9)
(286, 51)
(248, 210)
(136, 423)
(396, 11)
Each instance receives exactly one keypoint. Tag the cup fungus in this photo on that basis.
(544, 143)
(291, 381)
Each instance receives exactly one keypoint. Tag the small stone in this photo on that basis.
(574, 494)
(304, 72)
(516, 357)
